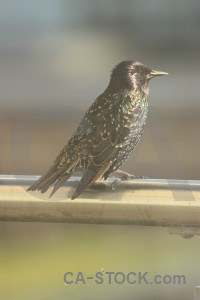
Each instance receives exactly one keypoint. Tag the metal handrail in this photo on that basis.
(154, 202)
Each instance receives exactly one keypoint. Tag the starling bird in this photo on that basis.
(108, 132)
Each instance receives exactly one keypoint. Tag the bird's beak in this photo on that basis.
(157, 73)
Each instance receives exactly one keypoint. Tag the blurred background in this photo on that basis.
(55, 59)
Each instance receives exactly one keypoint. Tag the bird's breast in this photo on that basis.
(145, 90)
(136, 118)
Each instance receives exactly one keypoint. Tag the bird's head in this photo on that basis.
(131, 75)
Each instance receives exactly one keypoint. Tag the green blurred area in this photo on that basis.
(35, 257)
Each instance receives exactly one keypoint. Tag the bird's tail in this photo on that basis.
(61, 180)
(55, 173)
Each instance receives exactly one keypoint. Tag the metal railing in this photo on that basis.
(171, 203)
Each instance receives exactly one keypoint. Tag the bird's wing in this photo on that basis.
(110, 133)
(95, 142)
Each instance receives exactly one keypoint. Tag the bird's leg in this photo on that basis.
(125, 175)
(122, 176)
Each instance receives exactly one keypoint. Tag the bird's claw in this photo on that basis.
(126, 176)
(115, 183)
(123, 176)
(139, 177)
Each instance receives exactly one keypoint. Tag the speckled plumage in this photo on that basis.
(108, 133)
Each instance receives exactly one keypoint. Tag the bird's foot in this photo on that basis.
(126, 176)
(122, 176)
